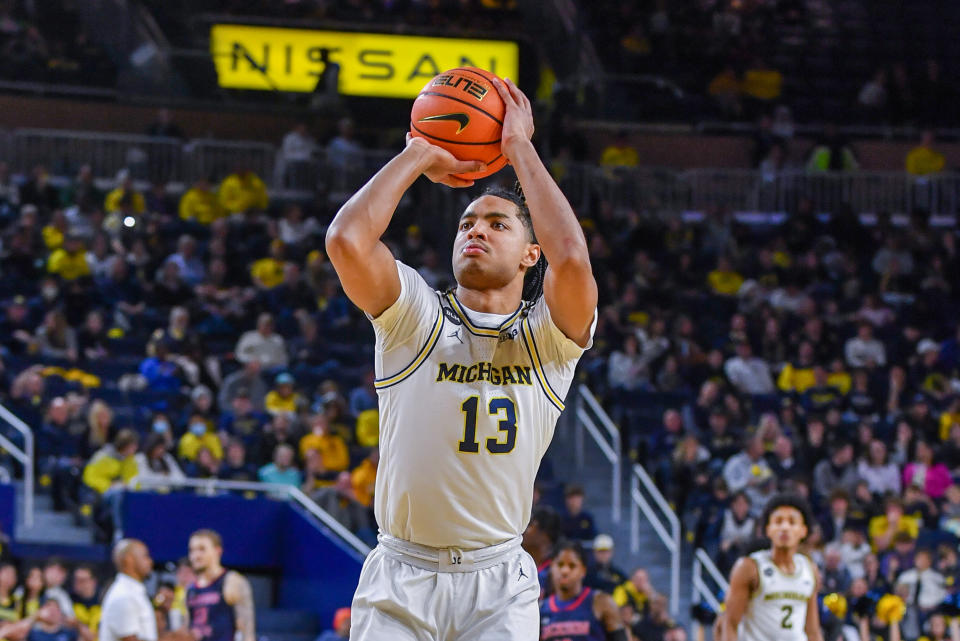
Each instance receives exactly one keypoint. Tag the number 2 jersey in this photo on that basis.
(468, 405)
(778, 609)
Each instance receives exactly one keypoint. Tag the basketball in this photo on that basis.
(461, 111)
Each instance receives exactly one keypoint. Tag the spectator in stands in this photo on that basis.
(242, 192)
(293, 229)
(280, 431)
(637, 591)
(235, 466)
(364, 477)
(292, 297)
(540, 538)
(191, 267)
(747, 470)
(263, 345)
(247, 381)
(86, 598)
(10, 595)
(577, 523)
(120, 291)
(619, 153)
(200, 203)
(872, 98)
(724, 89)
(163, 126)
(724, 280)
(39, 192)
(334, 457)
(107, 474)
(340, 501)
(749, 374)
(837, 472)
(125, 190)
(199, 436)
(70, 262)
(864, 350)
(923, 159)
(881, 475)
(341, 627)
(54, 579)
(344, 153)
(884, 528)
(737, 528)
(242, 421)
(267, 273)
(835, 577)
(160, 372)
(924, 584)
(49, 623)
(284, 397)
(281, 471)
(602, 574)
(831, 152)
(55, 339)
(626, 367)
(923, 472)
(762, 85)
(833, 523)
(155, 463)
(364, 396)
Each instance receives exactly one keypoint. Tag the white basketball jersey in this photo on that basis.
(468, 404)
(778, 609)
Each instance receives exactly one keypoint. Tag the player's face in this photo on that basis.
(492, 244)
(786, 528)
(567, 571)
(203, 553)
(143, 563)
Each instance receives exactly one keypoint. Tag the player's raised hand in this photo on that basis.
(518, 120)
(439, 165)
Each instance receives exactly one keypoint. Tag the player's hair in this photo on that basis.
(784, 499)
(573, 546)
(533, 278)
(210, 534)
(548, 522)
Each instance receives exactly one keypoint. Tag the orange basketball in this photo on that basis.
(461, 111)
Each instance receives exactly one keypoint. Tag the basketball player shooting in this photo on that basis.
(470, 383)
(773, 592)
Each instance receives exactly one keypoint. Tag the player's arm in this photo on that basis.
(743, 581)
(554, 223)
(812, 625)
(606, 610)
(237, 593)
(363, 262)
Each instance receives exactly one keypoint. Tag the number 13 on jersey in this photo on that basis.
(504, 410)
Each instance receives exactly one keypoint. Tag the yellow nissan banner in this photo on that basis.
(371, 64)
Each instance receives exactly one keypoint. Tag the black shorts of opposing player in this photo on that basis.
(795, 501)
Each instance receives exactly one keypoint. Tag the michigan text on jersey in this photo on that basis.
(484, 371)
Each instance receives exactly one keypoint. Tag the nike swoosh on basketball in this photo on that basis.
(461, 118)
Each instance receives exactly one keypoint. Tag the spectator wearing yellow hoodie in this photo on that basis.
(109, 471)
(201, 204)
(243, 191)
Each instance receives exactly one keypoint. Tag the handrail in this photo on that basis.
(610, 450)
(670, 539)
(277, 489)
(701, 591)
(24, 456)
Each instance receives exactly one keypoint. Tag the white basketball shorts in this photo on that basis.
(409, 592)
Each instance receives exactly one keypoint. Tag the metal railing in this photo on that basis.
(213, 487)
(701, 590)
(651, 188)
(668, 531)
(587, 409)
(24, 456)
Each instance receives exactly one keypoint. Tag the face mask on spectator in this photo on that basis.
(198, 429)
(161, 426)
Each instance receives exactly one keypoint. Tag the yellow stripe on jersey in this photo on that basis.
(384, 383)
(531, 346)
(491, 332)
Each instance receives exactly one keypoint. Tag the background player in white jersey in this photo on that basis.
(470, 384)
(773, 592)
